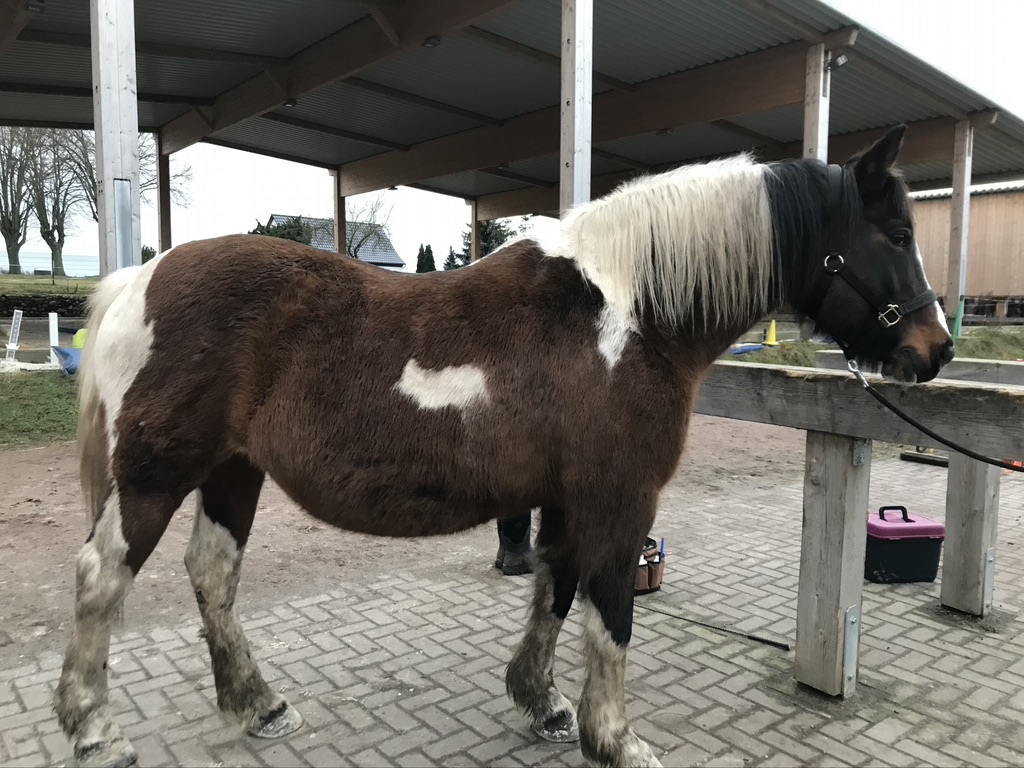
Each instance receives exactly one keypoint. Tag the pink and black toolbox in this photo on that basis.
(902, 547)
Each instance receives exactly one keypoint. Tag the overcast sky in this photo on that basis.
(975, 41)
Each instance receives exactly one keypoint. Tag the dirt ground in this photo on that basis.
(290, 554)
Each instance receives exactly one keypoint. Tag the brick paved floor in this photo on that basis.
(409, 672)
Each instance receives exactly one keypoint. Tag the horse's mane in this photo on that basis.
(690, 244)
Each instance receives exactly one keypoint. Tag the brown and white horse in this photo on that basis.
(557, 375)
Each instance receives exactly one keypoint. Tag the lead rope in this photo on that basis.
(855, 370)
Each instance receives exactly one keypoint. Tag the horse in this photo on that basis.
(557, 373)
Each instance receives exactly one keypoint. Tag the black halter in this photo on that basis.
(889, 314)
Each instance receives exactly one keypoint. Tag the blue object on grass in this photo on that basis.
(70, 359)
(742, 349)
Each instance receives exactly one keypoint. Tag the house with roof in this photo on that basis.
(370, 243)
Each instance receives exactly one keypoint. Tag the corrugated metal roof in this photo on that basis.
(635, 40)
(499, 84)
(998, 189)
(265, 27)
(362, 111)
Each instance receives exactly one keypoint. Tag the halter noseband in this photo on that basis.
(889, 314)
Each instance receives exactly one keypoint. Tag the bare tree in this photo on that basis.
(15, 199)
(82, 147)
(55, 190)
(367, 224)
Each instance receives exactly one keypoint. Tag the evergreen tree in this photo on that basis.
(453, 261)
(293, 229)
(492, 234)
(425, 260)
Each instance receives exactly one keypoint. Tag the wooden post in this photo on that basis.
(475, 243)
(577, 102)
(836, 480)
(972, 509)
(340, 223)
(816, 103)
(163, 195)
(960, 217)
(116, 116)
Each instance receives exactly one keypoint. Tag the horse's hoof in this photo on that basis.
(279, 721)
(116, 753)
(639, 755)
(561, 728)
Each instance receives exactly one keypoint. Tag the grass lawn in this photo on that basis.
(975, 342)
(42, 285)
(37, 408)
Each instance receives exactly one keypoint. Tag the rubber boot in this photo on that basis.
(515, 552)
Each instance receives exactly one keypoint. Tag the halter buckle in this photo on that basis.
(890, 316)
(840, 262)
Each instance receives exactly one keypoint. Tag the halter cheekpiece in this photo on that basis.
(889, 314)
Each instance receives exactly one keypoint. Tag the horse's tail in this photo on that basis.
(93, 453)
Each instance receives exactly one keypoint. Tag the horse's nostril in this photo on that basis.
(947, 353)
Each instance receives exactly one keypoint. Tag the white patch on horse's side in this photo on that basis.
(457, 386)
(614, 327)
(940, 317)
(122, 342)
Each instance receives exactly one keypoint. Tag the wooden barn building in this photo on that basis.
(995, 251)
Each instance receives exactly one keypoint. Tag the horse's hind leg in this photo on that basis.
(224, 515)
(605, 735)
(529, 678)
(123, 536)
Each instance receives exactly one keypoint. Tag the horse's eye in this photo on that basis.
(900, 238)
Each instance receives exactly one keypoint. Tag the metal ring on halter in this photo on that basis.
(834, 270)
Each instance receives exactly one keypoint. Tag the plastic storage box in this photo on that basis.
(902, 548)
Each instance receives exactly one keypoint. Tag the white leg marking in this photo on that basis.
(603, 709)
(458, 386)
(613, 331)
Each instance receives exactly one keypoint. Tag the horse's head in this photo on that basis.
(871, 293)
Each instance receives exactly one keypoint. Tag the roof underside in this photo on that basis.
(490, 72)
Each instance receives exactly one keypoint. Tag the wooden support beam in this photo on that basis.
(577, 103)
(163, 197)
(816, 103)
(340, 223)
(338, 55)
(834, 535)
(14, 16)
(116, 115)
(535, 54)
(926, 141)
(503, 173)
(751, 83)
(972, 510)
(960, 218)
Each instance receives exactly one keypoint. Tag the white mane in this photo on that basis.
(662, 241)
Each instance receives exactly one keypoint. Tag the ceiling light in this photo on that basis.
(431, 42)
(291, 101)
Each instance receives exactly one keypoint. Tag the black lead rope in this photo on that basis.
(855, 370)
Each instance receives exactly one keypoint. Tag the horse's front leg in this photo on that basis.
(529, 678)
(606, 738)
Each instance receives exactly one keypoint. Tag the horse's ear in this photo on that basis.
(871, 167)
